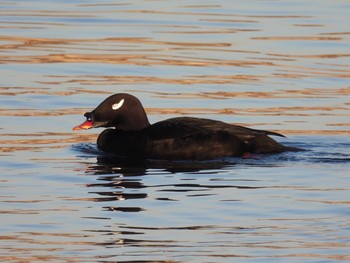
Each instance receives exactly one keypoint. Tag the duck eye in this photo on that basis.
(89, 119)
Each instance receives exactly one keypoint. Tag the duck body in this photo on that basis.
(181, 138)
(187, 138)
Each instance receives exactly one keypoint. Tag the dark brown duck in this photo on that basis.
(182, 138)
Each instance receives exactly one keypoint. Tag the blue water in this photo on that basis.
(274, 65)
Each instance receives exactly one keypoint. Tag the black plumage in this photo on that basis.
(182, 138)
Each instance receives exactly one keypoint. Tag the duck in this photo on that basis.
(130, 135)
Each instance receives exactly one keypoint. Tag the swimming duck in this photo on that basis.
(130, 135)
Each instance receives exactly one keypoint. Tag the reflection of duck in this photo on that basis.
(119, 180)
(182, 138)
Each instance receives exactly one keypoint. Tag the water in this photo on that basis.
(276, 65)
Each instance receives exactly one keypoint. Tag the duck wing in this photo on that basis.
(197, 138)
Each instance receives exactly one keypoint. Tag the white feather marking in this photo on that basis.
(118, 105)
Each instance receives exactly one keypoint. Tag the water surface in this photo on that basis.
(277, 65)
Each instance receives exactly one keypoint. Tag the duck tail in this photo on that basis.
(274, 133)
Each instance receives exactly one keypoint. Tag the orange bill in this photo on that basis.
(84, 126)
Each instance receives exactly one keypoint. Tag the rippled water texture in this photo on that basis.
(276, 65)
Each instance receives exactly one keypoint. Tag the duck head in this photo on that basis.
(122, 111)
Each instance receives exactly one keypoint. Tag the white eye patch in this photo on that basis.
(118, 105)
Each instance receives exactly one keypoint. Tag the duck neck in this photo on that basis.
(135, 121)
